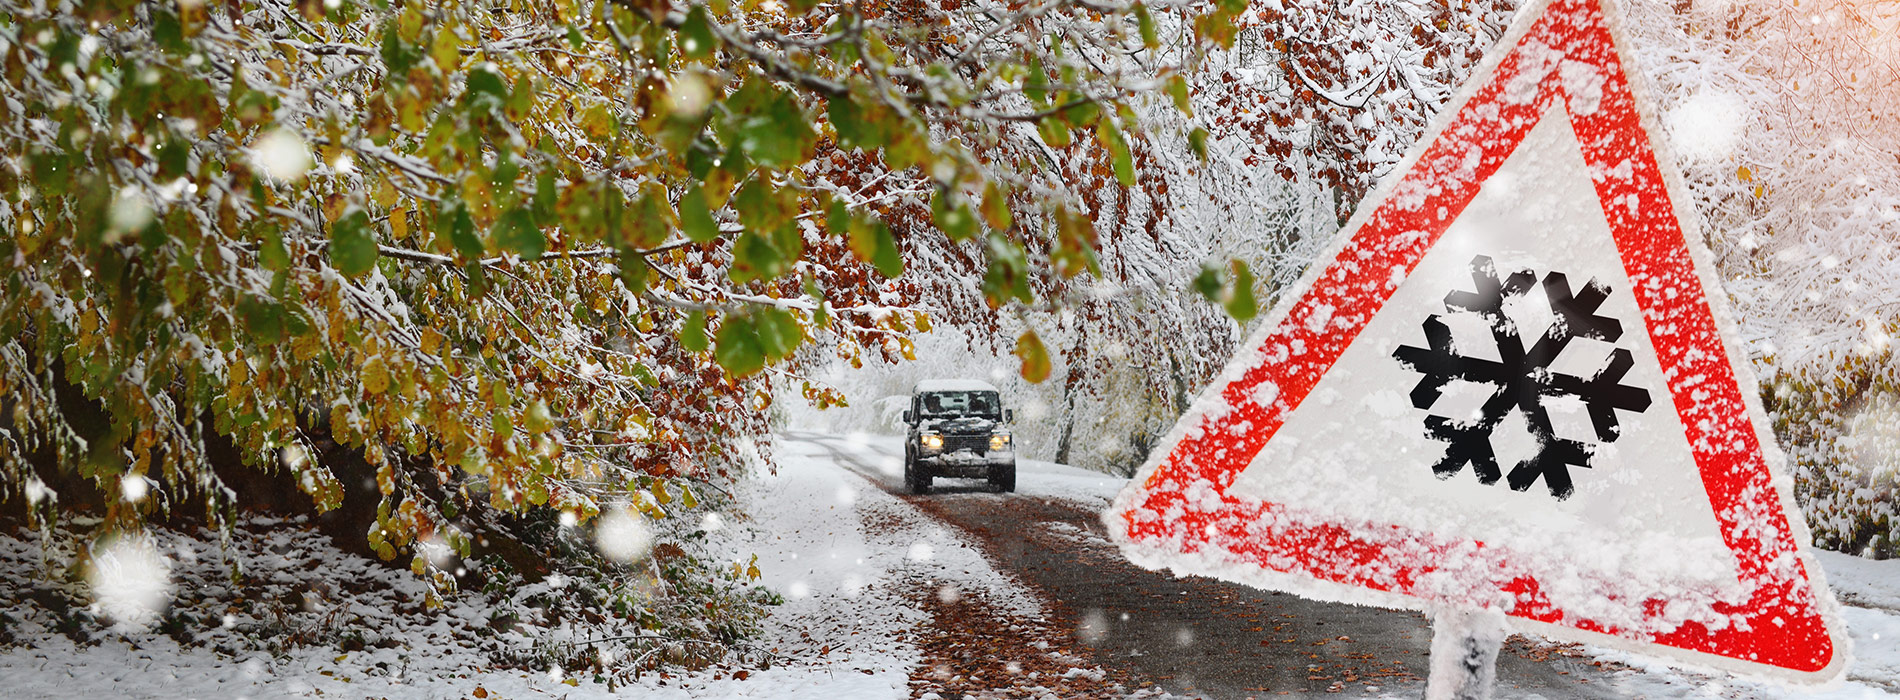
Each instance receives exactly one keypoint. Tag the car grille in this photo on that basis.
(975, 443)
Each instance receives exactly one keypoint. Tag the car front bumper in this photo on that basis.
(966, 463)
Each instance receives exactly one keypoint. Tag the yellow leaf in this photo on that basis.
(446, 49)
(1036, 364)
(1744, 173)
(375, 375)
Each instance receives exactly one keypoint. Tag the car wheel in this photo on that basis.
(916, 476)
(1003, 478)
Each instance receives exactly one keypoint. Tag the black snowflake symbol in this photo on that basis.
(1523, 379)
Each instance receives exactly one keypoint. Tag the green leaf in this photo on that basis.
(952, 215)
(168, 33)
(736, 346)
(693, 334)
(484, 91)
(398, 56)
(873, 243)
(696, 217)
(1054, 131)
(506, 170)
(848, 120)
(820, 316)
(1117, 146)
(1233, 289)
(1083, 113)
(264, 320)
(1178, 89)
(647, 222)
(546, 194)
(838, 219)
(455, 223)
(1146, 22)
(779, 333)
(1008, 274)
(996, 207)
(1208, 283)
(1240, 301)
(1197, 142)
(754, 257)
(695, 34)
(1036, 365)
(271, 252)
(517, 232)
(768, 126)
(633, 269)
(1036, 84)
(352, 246)
(746, 341)
(763, 207)
(174, 157)
(537, 419)
(504, 424)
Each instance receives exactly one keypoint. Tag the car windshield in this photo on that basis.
(952, 404)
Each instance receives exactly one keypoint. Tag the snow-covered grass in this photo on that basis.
(308, 619)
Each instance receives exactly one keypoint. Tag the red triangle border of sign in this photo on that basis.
(1785, 628)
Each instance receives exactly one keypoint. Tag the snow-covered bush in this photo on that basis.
(1781, 114)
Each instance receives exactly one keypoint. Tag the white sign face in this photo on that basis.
(1508, 383)
(1358, 450)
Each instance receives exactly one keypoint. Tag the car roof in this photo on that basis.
(952, 385)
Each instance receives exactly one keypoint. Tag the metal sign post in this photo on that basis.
(1465, 645)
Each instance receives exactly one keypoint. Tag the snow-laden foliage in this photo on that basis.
(1297, 120)
(537, 254)
(1781, 114)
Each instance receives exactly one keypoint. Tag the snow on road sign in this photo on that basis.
(1510, 382)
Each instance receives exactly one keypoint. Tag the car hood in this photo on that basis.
(966, 425)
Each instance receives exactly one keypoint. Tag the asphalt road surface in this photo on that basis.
(1198, 636)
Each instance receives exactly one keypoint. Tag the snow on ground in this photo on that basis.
(845, 555)
(1869, 592)
(1868, 589)
(911, 544)
(838, 549)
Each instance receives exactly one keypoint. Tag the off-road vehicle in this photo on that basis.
(957, 428)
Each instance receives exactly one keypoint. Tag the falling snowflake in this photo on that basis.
(130, 580)
(1522, 379)
(622, 535)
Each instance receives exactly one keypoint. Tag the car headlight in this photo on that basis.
(999, 442)
(933, 441)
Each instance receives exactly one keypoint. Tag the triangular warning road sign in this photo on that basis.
(1510, 382)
